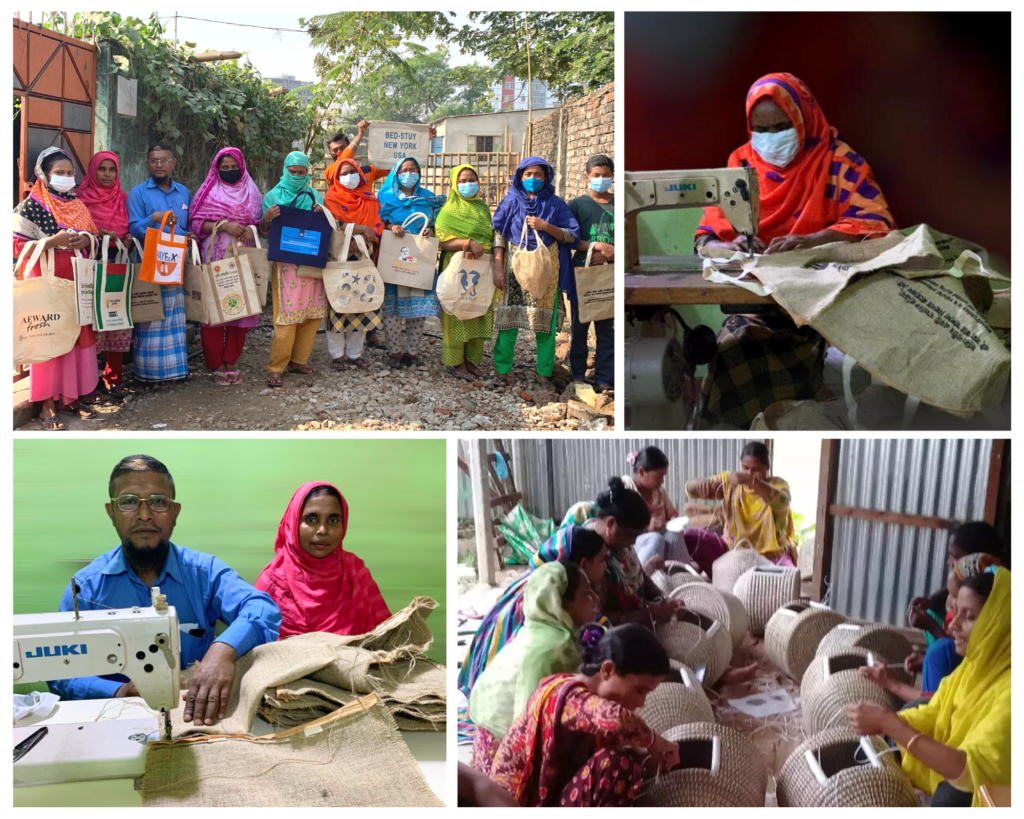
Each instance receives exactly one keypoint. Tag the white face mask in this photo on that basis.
(350, 181)
(62, 183)
(776, 149)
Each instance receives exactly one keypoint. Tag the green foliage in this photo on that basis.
(197, 108)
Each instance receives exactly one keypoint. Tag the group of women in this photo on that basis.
(531, 212)
(561, 663)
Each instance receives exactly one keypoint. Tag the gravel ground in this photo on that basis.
(426, 398)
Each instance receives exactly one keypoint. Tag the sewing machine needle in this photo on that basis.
(167, 723)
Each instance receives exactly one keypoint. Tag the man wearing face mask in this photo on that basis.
(814, 189)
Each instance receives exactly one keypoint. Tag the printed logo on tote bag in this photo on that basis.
(300, 240)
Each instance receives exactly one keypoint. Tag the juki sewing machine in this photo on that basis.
(657, 364)
(141, 643)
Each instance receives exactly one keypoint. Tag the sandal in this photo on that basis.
(475, 371)
(51, 423)
(394, 361)
(454, 372)
(373, 342)
(410, 360)
(605, 388)
(503, 380)
(340, 364)
(84, 413)
(222, 379)
(301, 369)
(235, 377)
(117, 391)
(274, 379)
(360, 363)
(91, 400)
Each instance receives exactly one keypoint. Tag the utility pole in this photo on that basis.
(175, 25)
(529, 88)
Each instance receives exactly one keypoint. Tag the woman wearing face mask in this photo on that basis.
(464, 224)
(299, 303)
(400, 197)
(960, 740)
(595, 212)
(531, 201)
(814, 189)
(351, 200)
(579, 742)
(228, 193)
(52, 214)
(316, 583)
(101, 193)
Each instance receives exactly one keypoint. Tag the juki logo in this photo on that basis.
(681, 186)
(57, 651)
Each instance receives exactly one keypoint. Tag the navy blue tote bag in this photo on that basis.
(300, 236)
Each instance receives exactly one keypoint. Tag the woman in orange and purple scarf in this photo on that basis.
(814, 190)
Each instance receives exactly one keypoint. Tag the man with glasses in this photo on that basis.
(160, 347)
(201, 587)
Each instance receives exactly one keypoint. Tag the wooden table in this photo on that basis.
(657, 281)
(995, 796)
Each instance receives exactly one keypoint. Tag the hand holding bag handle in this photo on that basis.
(590, 252)
(122, 252)
(256, 236)
(522, 237)
(163, 222)
(37, 248)
(417, 215)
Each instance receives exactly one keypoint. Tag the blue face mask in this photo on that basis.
(468, 189)
(533, 185)
(408, 180)
(601, 184)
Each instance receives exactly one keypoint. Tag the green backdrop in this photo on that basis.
(233, 494)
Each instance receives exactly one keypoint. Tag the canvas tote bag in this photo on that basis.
(409, 261)
(595, 290)
(354, 287)
(229, 285)
(532, 268)
(146, 299)
(164, 257)
(260, 264)
(112, 295)
(300, 236)
(195, 274)
(45, 314)
(466, 287)
(84, 269)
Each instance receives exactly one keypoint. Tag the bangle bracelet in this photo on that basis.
(910, 744)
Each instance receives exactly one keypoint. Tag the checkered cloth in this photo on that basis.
(353, 322)
(161, 351)
(761, 359)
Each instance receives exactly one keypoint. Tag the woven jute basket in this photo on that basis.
(884, 641)
(763, 590)
(677, 703)
(792, 635)
(730, 567)
(832, 682)
(675, 575)
(849, 783)
(697, 640)
(740, 780)
(718, 605)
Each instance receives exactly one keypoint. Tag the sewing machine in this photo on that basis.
(141, 643)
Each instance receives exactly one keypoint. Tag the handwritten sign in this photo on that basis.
(387, 142)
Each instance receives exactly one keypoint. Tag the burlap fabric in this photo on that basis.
(884, 641)
(851, 784)
(731, 566)
(764, 590)
(793, 633)
(741, 779)
(718, 605)
(832, 682)
(354, 757)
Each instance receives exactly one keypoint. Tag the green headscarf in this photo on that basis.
(290, 186)
(463, 218)
(545, 645)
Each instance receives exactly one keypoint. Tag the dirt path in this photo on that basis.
(426, 398)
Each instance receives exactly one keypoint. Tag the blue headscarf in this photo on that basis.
(396, 207)
(518, 204)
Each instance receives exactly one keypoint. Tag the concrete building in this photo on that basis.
(289, 82)
(511, 95)
(482, 133)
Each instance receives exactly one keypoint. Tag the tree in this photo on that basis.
(572, 52)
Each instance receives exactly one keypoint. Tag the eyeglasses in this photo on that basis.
(131, 503)
(160, 161)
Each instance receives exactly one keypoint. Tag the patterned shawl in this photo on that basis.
(45, 212)
(463, 218)
(396, 206)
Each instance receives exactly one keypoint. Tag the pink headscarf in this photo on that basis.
(216, 201)
(107, 206)
(336, 593)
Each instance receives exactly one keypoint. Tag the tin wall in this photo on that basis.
(878, 567)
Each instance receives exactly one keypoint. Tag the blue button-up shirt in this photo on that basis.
(203, 589)
(148, 198)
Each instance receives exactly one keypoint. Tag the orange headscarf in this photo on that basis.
(826, 185)
(358, 206)
(68, 212)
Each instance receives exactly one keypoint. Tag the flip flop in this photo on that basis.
(341, 365)
(51, 423)
(307, 370)
(274, 379)
(84, 413)
(394, 362)
(360, 363)
(222, 379)
(410, 360)
(462, 376)
(235, 376)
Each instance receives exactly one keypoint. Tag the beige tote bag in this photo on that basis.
(259, 264)
(146, 299)
(409, 261)
(532, 268)
(595, 290)
(45, 312)
(466, 287)
(354, 287)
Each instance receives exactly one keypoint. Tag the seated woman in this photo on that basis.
(814, 189)
(657, 545)
(318, 585)
(530, 209)
(579, 742)
(557, 600)
(960, 740)
(756, 509)
(400, 197)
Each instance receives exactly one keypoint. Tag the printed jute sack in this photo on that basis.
(226, 287)
(411, 260)
(466, 287)
(595, 290)
(112, 295)
(260, 264)
(84, 270)
(195, 274)
(532, 268)
(164, 257)
(45, 314)
(146, 299)
(910, 323)
(354, 287)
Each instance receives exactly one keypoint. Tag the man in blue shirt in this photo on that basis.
(202, 588)
(160, 347)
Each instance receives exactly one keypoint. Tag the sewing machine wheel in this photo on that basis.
(655, 371)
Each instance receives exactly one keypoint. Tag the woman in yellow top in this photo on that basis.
(960, 740)
(756, 509)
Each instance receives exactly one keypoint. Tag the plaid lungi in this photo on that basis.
(353, 322)
(161, 351)
(760, 360)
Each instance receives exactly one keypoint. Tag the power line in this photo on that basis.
(245, 25)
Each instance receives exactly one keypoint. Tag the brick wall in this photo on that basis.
(568, 137)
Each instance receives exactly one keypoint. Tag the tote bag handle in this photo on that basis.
(163, 223)
(417, 215)
(330, 218)
(35, 249)
(522, 237)
(312, 199)
(256, 236)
